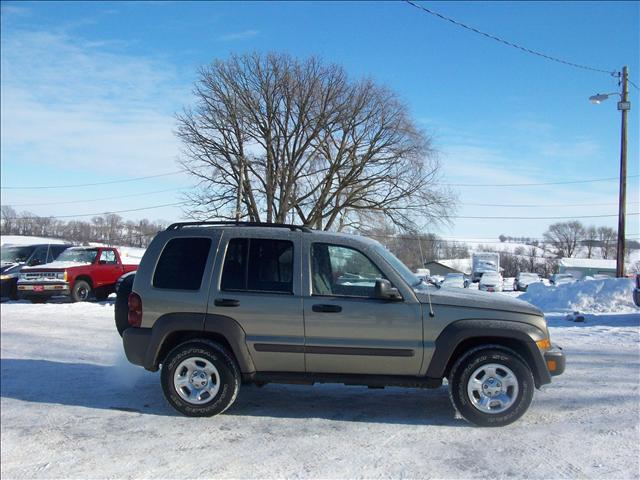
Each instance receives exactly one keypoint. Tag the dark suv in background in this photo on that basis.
(14, 257)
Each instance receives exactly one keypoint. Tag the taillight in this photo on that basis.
(135, 310)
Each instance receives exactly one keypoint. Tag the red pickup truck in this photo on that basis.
(79, 272)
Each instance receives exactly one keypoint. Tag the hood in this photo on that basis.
(477, 299)
(9, 268)
(55, 266)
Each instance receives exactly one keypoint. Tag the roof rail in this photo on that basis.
(179, 225)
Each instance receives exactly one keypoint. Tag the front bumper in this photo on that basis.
(555, 360)
(48, 289)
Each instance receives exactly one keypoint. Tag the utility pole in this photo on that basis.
(623, 106)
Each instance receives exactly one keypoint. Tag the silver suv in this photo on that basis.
(217, 305)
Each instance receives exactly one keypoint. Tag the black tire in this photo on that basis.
(222, 360)
(121, 309)
(468, 363)
(81, 291)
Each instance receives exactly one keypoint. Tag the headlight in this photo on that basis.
(22, 276)
(60, 276)
(8, 276)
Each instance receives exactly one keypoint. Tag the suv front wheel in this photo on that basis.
(200, 378)
(491, 387)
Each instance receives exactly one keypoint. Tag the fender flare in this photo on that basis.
(460, 331)
(198, 324)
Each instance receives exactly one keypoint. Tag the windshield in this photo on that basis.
(16, 254)
(78, 255)
(399, 267)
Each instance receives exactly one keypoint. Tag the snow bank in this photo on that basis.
(22, 240)
(609, 295)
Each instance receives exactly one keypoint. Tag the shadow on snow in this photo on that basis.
(123, 389)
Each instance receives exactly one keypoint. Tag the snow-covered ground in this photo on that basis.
(72, 407)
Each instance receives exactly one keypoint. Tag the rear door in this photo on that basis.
(347, 329)
(258, 285)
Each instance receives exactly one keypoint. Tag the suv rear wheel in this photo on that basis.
(491, 387)
(200, 378)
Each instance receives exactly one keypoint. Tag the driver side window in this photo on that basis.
(342, 271)
(108, 257)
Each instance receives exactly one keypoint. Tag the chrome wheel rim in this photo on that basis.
(492, 388)
(196, 380)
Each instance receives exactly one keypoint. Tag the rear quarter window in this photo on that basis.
(181, 264)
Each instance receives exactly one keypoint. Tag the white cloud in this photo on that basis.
(244, 35)
(75, 104)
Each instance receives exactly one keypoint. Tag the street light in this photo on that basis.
(624, 105)
(598, 98)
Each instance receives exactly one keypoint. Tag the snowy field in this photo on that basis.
(72, 407)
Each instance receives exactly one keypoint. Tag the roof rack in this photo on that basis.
(179, 225)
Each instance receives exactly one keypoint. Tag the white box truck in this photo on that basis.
(482, 262)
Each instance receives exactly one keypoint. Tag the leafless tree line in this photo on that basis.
(276, 139)
(109, 229)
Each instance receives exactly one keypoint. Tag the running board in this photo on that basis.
(262, 378)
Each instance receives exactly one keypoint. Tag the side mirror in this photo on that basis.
(384, 291)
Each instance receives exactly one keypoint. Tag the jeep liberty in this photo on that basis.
(219, 304)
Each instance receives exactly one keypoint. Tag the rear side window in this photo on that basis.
(258, 265)
(181, 264)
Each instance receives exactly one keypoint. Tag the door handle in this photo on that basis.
(226, 302)
(326, 308)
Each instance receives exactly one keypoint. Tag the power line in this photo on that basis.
(542, 218)
(508, 43)
(135, 179)
(542, 205)
(99, 213)
(84, 200)
(569, 182)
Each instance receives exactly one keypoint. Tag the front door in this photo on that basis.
(107, 270)
(347, 329)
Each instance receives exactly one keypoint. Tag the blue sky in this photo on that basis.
(89, 91)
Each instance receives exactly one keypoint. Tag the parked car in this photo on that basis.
(217, 305)
(524, 279)
(561, 278)
(636, 291)
(15, 257)
(490, 282)
(455, 280)
(79, 272)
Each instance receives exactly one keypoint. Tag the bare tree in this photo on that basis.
(565, 237)
(590, 239)
(607, 238)
(8, 217)
(272, 137)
